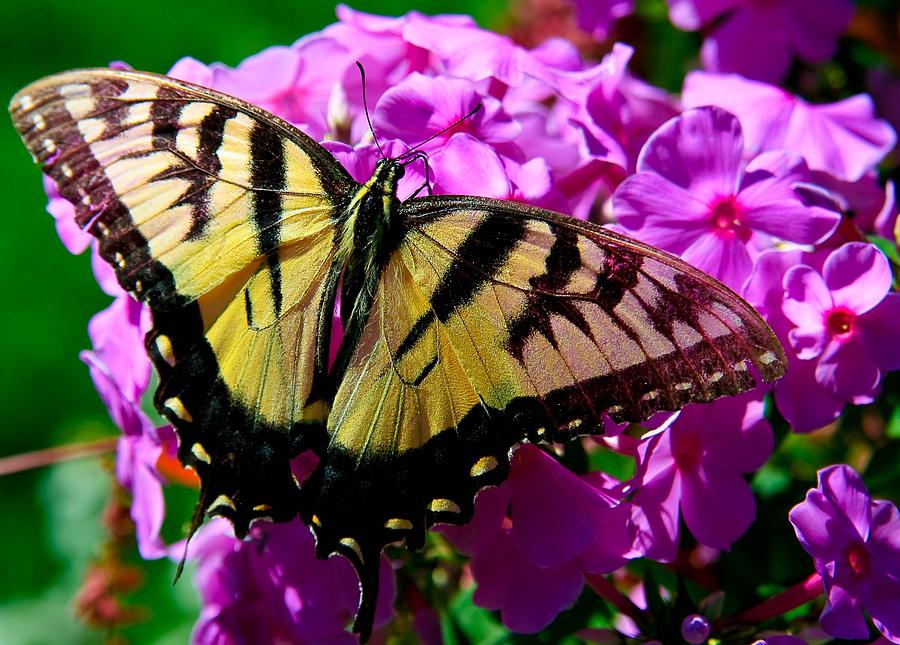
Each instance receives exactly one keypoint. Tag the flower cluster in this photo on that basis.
(748, 182)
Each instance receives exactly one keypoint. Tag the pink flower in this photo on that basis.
(597, 16)
(845, 138)
(531, 565)
(693, 195)
(696, 467)
(121, 373)
(272, 588)
(855, 545)
(758, 39)
(844, 319)
(813, 392)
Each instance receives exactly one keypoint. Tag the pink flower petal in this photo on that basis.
(730, 47)
(723, 256)
(844, 138)
(807, 298)
(881, 597)
(718, 506)
(878, 330)
(858, 275)
(555, 514)
(528, 597)
(848, 370)
(805, 403)
(659, 212)
(845, 490)
(843, 616)
(468, 166)
(813, 26)
(699, 151)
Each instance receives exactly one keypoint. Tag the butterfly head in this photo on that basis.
(388, 173)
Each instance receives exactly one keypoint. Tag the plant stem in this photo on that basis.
(789, 599)
(49, 456)
(606, 590)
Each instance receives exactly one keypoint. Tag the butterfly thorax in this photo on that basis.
(368, 216)
(368, 231)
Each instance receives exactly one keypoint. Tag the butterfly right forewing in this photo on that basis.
(221, 217)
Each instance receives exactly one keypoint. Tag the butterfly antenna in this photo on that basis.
(472, 113)
(362, 75)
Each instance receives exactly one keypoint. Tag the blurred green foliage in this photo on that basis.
(52, 516)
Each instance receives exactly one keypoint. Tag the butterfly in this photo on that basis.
(469, 324)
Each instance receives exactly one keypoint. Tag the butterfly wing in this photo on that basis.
(221, 217)
(494, 322)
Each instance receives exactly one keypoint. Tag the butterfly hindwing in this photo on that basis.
(495, 322)
(221, 217)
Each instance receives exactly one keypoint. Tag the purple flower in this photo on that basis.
(812, 393)
(805, 404)
(844, 318)
(855, 545)
(758, 39)
(844, 138)
(531, 565)
(693, 195)
(597, 16)
(121, 373)
(287, 81)
(272, 588)
(73, 238)
(696, 467)
(421, 106)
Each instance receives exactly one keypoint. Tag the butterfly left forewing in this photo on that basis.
(494, 323)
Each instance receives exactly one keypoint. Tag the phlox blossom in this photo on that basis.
(855, 545)
(696, 468)
(844, 139)
(531, 564)
(694, 195)
(758, 39)
(836, 315)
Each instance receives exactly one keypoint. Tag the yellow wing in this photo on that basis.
(494, 322)
(221, 217)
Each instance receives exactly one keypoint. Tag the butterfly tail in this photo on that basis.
(369, 571)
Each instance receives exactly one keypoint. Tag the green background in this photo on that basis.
(52, 516)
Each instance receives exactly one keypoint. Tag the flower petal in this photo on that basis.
(805, 403)
(814, 26)
(660, 212)
(807, 298)
(528, 597)
(858, 275)
(718, 505)
(843, 616)
(878, 330)
(735, 45)
(701, 151)
(845, 491)
(848, 370)
(555, 514)
(723, 256)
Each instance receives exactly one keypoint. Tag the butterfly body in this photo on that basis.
(469, 324)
